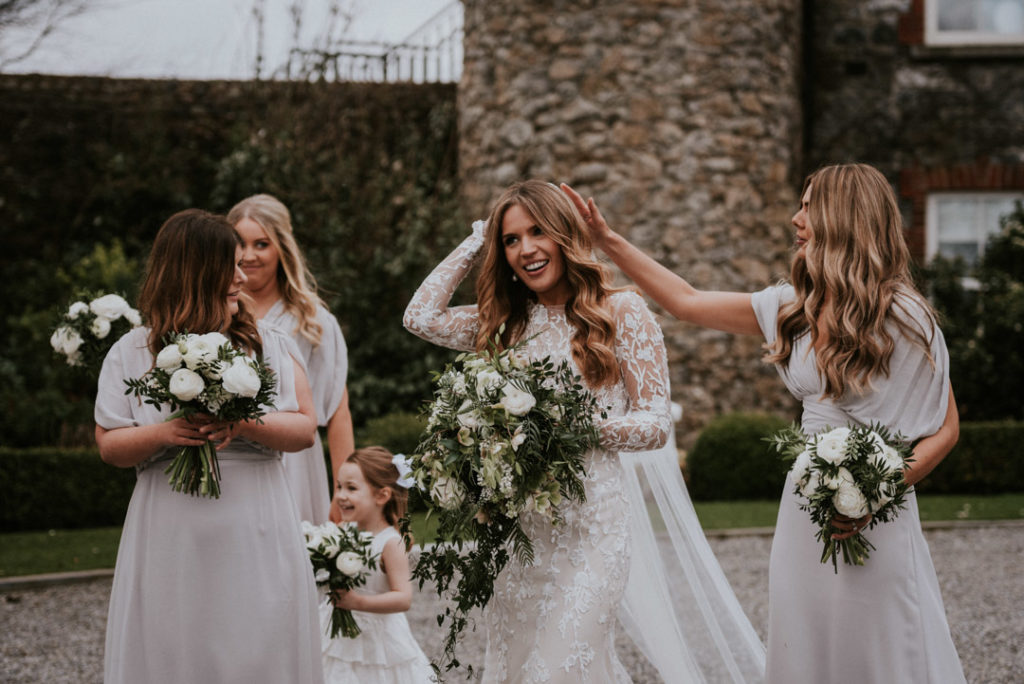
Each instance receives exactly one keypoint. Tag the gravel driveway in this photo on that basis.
(54, 634)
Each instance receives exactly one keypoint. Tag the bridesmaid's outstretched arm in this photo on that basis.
(727, 311)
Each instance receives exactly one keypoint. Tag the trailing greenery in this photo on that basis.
(90, 173)
(730, 459)
(984, 327)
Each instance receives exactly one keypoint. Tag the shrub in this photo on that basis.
(61, 489)
(399, 432)
(986, 460)
(731, 460)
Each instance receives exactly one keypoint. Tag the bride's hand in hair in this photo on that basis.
(599, 230)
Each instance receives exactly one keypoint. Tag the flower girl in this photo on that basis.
(371, 490)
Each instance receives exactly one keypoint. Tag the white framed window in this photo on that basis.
(974, 22)
(958, 224)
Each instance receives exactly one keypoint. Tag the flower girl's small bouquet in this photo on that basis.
(341, 560)
(505, 437)
(850, 471)
(86, 331)
(204, 374)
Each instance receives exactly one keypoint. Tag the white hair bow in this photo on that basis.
(401, 461)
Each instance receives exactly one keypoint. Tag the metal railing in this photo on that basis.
(430, 54)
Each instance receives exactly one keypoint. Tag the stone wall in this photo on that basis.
(683, 120)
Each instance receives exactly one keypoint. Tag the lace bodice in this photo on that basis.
(638, 415)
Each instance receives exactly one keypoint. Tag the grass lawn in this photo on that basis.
(30, 553)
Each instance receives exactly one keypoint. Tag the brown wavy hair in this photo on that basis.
(375, 464)
(858, 258)
(294, 279)
(500, 300)
(188, 275)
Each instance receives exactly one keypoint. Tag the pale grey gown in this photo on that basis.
(554, 621)
(882, 622)
(208, 590)
(326, 370)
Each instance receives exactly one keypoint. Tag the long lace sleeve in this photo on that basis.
(428, 314)
(643, 362)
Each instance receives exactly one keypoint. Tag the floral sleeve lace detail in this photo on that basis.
(428, 314)
(640, 347)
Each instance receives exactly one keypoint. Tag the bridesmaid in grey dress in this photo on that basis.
(284, 295)
(207, 590)
(856, 343)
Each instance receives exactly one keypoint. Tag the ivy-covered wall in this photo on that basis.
(90, 169)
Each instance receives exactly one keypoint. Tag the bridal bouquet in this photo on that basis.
(204, 374)
(86, 332)
(505, 437)
(850, 471)
(341, 560)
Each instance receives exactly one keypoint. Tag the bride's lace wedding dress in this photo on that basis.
(554, 621)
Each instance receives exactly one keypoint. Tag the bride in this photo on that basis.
(554, 620)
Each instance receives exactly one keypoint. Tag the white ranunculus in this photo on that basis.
(77, 309)
(486, 380)
(216, 370)
(801, 464)
(892, 459)
(832, 445)
(241, 379)
(169, 358)
(100, 327)
(109, 306)
(307, 527)
(314, 540)
(321, 576)
(186, 385)
(835, 482)
(849, 501)
(811, 485)
(197, 351)
(349, 563)
(66, 341)
(516, 401)
(133, 317)
(215, 340)
(447, 493)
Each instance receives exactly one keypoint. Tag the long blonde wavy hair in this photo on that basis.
(500, 300)
(858, 257)
(294, 279)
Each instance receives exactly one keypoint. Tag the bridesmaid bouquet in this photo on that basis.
(850, 471)
(204, 374)
(86, 332)
(341, 560)
(505, 437)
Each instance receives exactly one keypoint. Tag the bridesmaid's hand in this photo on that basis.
(847, 527)
(185, 431)
(599, 230)
(346, 600)
(220, 432)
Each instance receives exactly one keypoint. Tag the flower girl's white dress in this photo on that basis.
(385, 652)
(208, 590)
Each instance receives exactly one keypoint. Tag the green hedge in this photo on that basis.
(731, 461)
(49, 488)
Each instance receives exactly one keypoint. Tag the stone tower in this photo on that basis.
(682, 118)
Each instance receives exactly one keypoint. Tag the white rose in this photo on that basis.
(843, 476)
(100, 327)
(447, 493)
(66, 341)
(77, 309)
(516, 401)
(186, 385)
(470, 419)
(133, 317)
(832, 445)
(487, 380)
(811, 485)
(801, 465)
(169, 358)
(892, 459)
(109, 306)
(849, 501)
(241, 379)
(349, 563)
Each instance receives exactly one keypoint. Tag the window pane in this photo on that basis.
(956, 220)
(958, 15)
(985, 16)
(968, 251)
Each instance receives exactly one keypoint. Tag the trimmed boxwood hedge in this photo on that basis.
(50, 488)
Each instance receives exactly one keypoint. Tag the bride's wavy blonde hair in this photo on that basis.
(500, 300)
(858, 256)
(294, 279)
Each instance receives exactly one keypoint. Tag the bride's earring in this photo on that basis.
(514, 278)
